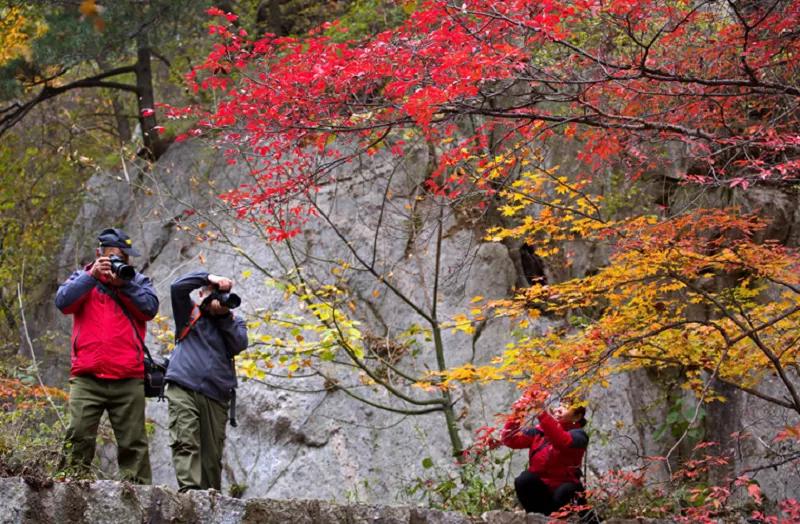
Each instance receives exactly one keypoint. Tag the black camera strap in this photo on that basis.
(113, 294)
(232, 410)
(147, 358)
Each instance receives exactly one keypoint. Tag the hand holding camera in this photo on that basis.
(120, 269)
(113, 270)
(220, 301)
(221, 283)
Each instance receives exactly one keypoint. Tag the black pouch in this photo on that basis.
(155, 377)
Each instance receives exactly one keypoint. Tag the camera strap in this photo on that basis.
(147, 358)
(121, 304)
(232, 409)
(196, 314)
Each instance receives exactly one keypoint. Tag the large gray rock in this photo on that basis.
(322, 444)
(286, 442)
(105, 502)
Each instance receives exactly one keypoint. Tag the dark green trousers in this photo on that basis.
(197, 436)
(124, 401)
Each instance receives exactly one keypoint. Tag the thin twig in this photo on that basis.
(33, 357)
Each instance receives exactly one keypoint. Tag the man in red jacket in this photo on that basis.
(556, 448)
(109, 316)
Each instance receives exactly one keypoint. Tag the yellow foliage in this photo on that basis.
(17, 31)
(640, 310)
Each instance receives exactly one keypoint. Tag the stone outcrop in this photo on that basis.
(286, 441)
(322, 444)
(104, 502)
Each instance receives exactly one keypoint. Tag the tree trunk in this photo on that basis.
(8, 315)
(145, 98)
(269, 19)
(449, 414)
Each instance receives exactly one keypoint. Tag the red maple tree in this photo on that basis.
(713, 81)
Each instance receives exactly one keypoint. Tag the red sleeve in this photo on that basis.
(514, 437)
(553, 431)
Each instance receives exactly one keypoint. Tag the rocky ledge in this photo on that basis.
(23, 501)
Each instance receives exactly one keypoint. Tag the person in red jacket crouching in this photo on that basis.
(556, 448)
(110, 303)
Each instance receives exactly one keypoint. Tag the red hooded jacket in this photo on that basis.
(556, 448)
(104, 344)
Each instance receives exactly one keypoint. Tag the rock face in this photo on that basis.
(321, 444)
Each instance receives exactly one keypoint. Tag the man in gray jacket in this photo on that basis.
(201, 378)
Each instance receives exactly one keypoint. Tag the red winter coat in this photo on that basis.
(556, 448)
(103, 341)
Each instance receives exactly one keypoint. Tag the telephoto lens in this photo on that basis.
(229, 300)
(121, 269)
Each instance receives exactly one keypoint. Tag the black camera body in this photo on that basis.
(228, 300)
(121, 269)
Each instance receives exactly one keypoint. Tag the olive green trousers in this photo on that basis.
(124, 401)
(197, 436)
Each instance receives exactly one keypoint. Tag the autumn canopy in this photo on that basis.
(707, 87)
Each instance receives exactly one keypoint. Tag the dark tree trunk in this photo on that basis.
(269, 18)
(145, 97)
(8, 314)
(123, 125)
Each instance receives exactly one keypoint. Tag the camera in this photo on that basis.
(228, 300)
(121, 269)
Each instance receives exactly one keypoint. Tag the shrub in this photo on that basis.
(31, 432)
(481, 483)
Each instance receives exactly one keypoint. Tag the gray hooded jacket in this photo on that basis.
(203, 359)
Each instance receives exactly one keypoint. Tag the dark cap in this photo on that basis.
(114, 237)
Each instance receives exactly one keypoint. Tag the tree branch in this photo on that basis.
(15, 112)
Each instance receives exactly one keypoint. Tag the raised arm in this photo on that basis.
(73, 292)
(140, 297)
(180, 293)
(516, 437)
(558, 436)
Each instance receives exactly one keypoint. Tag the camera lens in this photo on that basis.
(127, 272)
(121, 269)
(230, 300)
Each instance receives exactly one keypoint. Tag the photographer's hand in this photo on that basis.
(218, 310)
(221, 283)
(101, 269)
